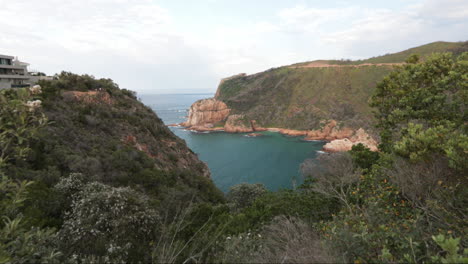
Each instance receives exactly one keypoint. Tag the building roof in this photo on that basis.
(6, 57)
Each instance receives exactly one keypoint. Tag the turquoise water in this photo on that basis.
(272, 159)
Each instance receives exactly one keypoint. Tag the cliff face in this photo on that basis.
(207, 112)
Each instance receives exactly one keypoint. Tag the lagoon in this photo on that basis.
(271, 159)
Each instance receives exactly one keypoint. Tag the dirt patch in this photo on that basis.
(89, 97)
(326, 65)
(132, 141)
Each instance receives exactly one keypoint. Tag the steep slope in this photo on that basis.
(311, 96)
(106, 134)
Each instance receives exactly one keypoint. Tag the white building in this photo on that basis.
(13, 73)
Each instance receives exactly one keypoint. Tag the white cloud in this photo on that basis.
(308, 20)
(133, 42)
(447, 9)
(139, 44)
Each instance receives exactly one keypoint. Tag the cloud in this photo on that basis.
(384, 31)
(309, 20)
(448, 9)
(133, 42)
(142, 44)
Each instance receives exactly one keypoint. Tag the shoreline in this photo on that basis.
(282, 131)
(336, 142)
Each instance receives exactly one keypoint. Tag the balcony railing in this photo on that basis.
(19, 67)
(14, 76)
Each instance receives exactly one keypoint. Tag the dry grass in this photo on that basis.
(291, 240)
(334, 175)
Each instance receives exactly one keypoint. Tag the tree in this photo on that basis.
(244, 194)
(20, 120)
(421, 109)
(363, 157)
(333, 175)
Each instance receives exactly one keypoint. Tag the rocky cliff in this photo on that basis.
(207, 112)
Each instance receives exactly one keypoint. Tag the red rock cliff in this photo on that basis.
(206, 112)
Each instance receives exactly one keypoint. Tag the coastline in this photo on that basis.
(336, 142)
(283, 131)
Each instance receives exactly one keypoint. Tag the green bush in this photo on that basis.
(116, 223)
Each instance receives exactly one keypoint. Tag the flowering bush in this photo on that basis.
(19, 242)
(116, 223)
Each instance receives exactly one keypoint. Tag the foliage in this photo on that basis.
(285, 239)
(451, 247)
(363, 157)
(333, 175)
(19, 241)
(88, 141)
(19, 123)
(115, 223)
(244, 194)
(414, 189)
(421, 109)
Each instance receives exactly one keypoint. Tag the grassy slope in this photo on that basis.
(300, 98)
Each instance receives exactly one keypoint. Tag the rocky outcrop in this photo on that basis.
(254, 135)
(345, 144)
(206, 112)
(330, 131)
(341, 139)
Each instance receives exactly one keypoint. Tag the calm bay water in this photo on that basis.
(272, 159)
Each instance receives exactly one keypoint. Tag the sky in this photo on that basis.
(175, 46)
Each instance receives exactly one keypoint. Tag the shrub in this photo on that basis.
(333, 175)
(116, 223)
(285, 240)
(244, 194)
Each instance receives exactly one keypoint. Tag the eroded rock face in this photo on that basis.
(330, 131)
(206, 112)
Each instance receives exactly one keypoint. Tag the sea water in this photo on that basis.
(272, 159)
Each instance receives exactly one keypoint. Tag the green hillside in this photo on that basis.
(456, 48)
(298, 97)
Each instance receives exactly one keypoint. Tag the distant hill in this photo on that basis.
(423, 51)
(304, 95)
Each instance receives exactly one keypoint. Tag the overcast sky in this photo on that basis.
(177, 46)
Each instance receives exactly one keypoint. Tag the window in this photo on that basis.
(4, 61)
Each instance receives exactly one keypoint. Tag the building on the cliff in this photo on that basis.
(14, 73)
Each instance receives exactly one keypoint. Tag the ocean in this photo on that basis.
(272, 159)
